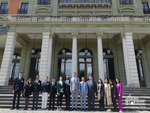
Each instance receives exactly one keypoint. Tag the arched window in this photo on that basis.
(65, 63)
(85, 63)
(109, 71)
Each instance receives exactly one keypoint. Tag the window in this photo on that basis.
(140, 68)
(85, 63)
(23, 9)
(126, 2)
(35, 64)
(145, 8)
(14, 70)
(3, 9)
(65, 62)
(109, 69)
(43, 2)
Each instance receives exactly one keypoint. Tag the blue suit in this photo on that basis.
(83, 92)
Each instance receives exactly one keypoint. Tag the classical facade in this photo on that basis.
(103, 38)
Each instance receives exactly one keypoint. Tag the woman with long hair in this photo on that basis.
(107, 97)
(27, 92)
(119, 93)
(100, 94)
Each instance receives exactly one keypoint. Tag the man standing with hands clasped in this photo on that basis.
(17, 89)
(74, 89)
(83, 93)
(92, 89)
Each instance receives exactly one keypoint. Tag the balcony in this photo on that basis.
(43, 2)
(79, 19)
(84, 2)
(3, 11)
(22, 11)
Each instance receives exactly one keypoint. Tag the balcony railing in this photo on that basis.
(43, 2)
(146, 11)
(85, 1)
(34, 19)
(126, 2)
(22, 11)
(3, 11)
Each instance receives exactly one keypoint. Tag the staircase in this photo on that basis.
(133, 99)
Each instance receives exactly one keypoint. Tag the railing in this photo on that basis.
(22, 11)
(3, 11)
(146, 11)
(126, 2)
(85, 1)
(43, 19)
(43, 2)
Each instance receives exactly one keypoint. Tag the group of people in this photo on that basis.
(106, 93)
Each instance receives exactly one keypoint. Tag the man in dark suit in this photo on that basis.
(92, 89)
(53, 92)
(36, 91)
(113, 94)
(17, 89)
(67, 92)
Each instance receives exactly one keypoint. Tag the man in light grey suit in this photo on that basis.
(83, 93)
(74, 89)
(92, 89)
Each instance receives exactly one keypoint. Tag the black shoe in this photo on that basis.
(25, 109)
(84, 109)
(32, 109)
(72, 109)
(76, 109)
(12, 108)
(17, 108)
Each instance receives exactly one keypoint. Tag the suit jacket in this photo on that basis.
(92, 89)
(67, 88)
(83, 88)
(28, 89)
(113, 90)
(101, 90)
(74, 85)
(18, 84)
(53, 89)
(37, 86)
(60, 86)
(46, 87)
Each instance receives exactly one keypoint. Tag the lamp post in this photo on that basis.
(63, 50)
(33, 49)
(139, 50)
(108, 49)
(86, 50)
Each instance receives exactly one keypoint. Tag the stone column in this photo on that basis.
(74, 52)
(100, 56)
(7, 58)
(129, 60)
(44, 56)
(50, 55)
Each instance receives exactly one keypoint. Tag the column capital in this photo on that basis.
(123, 35)
(12, 34)
(99, 35)
(74, 34)
(50, 34)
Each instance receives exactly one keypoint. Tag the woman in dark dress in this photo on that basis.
(27, 92)
(100, 94)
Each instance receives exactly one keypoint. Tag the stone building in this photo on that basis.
(102, 38)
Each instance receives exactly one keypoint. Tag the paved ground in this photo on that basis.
(46, 111)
